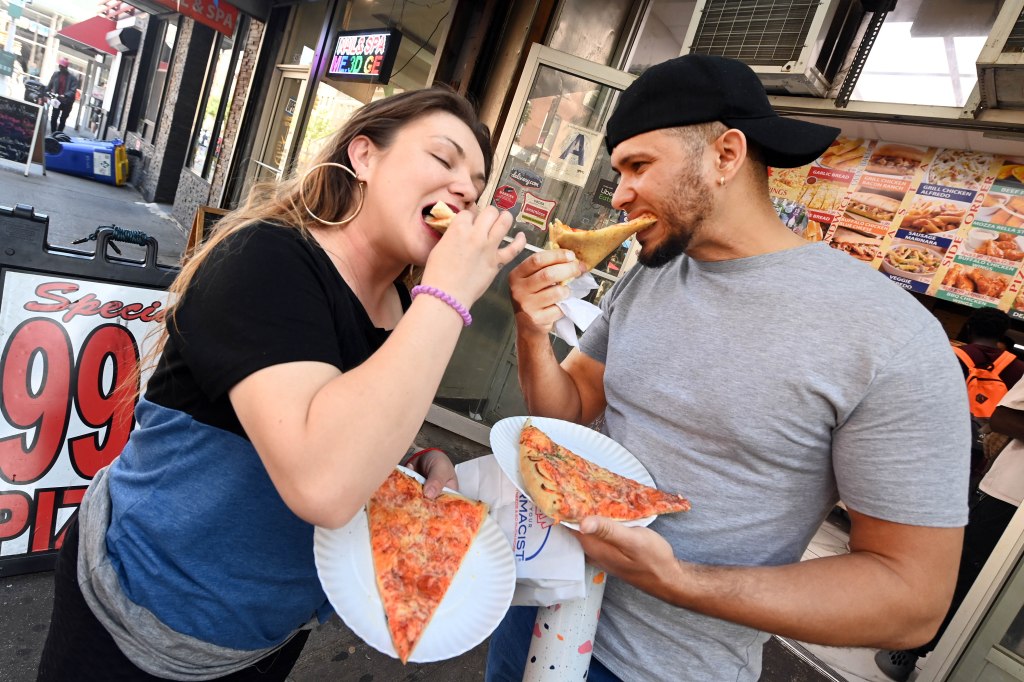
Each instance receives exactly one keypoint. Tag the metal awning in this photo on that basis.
(92, 33)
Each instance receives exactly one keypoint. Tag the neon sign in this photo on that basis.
(366, 55)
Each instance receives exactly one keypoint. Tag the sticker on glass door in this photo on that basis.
(575, 150)
(536, 211)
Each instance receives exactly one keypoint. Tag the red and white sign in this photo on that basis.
(67, 347)
(505, 197)
(536, 211)
(219, 15)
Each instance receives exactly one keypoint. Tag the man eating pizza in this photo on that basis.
(765, 376)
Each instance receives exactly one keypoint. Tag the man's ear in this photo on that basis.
(730, 152)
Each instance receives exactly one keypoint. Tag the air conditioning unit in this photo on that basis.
(1001, 61)
(796, 47)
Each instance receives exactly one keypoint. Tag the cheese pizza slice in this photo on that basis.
(418, 545)
(568, 487)
(440, 216)
(593, 246)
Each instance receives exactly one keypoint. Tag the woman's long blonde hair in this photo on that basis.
(330, 192)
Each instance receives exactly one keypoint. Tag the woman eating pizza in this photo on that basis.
(292, 378)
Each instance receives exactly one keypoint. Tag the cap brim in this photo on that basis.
(786, 142)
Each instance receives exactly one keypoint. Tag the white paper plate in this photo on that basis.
(585, 442)
(475, 602)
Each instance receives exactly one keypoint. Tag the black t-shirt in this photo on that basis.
(267, 295)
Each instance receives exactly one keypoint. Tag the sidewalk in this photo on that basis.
(77, 206)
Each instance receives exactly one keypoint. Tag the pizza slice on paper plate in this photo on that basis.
(568, 487)
(418, 546)
(593, 246)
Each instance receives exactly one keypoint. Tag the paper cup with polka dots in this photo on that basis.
(563, 635)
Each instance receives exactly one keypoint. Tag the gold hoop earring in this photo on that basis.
(360, 183)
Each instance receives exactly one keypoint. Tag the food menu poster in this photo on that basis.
(944, 222)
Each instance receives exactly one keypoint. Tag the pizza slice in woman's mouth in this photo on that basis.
(439, 216)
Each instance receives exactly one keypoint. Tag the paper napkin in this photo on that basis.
(549, 560)
(577, 312)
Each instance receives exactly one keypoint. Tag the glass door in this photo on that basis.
(985, 639)
(269, 162)
(551, 164)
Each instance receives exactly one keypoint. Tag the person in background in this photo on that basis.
(64, 85)
(1000, 494)
(764, 432)
(981, 340)
(293, 378)
(984, 340)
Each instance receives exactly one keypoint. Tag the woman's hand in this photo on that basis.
(466, 260)
(434, 465)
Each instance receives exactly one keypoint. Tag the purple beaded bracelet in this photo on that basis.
(467, 319)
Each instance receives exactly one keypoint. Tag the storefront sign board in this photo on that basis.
(367, 55)
(66, 342)
(72, 333)
(20, 131)
(217, 14)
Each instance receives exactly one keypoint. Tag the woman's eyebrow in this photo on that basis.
(462, 153)
(458, 147)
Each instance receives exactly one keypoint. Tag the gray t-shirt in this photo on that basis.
(765, 389)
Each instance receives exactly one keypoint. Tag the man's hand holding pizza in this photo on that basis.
(536, 288)
(637, 555)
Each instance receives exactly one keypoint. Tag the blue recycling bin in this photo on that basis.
(101, 160)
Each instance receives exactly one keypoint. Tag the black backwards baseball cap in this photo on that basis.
(699, 88)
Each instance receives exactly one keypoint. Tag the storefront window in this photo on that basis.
(662, 30)
(561, 108)
(590, 29)
(557, 167)
(223, 74)
(331, 108)
(305, 33)
(423, 27)
(156, 81)
(281, 106)
(926, 52)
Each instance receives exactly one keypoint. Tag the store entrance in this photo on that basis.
(269, 163)
(985, 641)
(552, 164)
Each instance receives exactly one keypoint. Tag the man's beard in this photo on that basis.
(681, 216)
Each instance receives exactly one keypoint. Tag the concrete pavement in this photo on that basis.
(77, 206)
